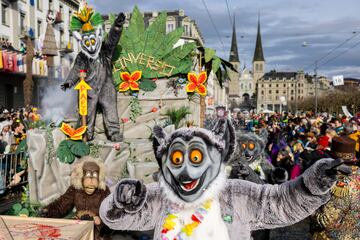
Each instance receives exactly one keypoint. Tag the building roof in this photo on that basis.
(272, 75)
(234, 54)
(258, 54)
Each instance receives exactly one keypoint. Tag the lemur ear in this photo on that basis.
(159, 136)
(99, 32)
(225, 131)
(263, 134)
(77, 35)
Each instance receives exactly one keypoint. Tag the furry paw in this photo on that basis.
(120, 20)
(130, 195)
(321, 177)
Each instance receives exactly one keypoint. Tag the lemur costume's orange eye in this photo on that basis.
(177, 158)
(87, 43)
(243, 146)
(196, 156)
(93, 41)
(251, 146)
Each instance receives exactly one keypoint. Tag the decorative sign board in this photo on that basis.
(25, 228)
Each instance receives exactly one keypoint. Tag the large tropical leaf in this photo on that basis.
(147, 85)
(209, 54)
(154, 48)
(78, 148)
(64, 153)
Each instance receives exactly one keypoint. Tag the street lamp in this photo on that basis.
(316, 79)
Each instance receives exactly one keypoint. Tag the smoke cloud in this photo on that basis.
(57, 105)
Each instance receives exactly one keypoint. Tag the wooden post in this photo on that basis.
(83, 87)
(202, 98)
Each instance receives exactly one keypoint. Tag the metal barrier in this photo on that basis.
(11, 172)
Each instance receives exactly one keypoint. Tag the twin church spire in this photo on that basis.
(258, 53)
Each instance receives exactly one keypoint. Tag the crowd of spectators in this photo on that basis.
(296, 141)
(13, 126)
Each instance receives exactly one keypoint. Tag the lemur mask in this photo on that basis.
(90, 42)
(190, 159)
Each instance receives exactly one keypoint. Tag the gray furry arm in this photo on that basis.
(114, 34)
(73, 76)
(272, 206)
(143, 217)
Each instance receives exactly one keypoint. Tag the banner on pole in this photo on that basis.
(346, 112)
(338, 80)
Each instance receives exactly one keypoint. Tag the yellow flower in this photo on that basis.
(188, 229)
(207, 204)
(169, 224)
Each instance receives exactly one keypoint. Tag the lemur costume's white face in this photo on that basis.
(191, 159)
(90, 43)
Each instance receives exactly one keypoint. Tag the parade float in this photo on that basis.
(157, 80)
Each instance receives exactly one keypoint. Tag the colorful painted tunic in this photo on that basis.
(339, 218)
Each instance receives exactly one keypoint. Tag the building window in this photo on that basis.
(250, 86)
(62, 39)
(270, 92)
(51, 5)
(71, 37)
(262, 85)
(170, 27)
(277, 85)
(277, 91)
(284, 84)
(22, 22)
(70, 15)
(39, 5)
(39, 26)
(292, 85)
(292, 92)
(262, 92)
(261, 67)
(241, 86)
(62, 12)
(186, 32)
(269, 85)
(256, 67)
(284, 92)
(277, 98)
(292, 98)
(5, 14)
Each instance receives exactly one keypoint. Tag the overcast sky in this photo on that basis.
(285, 25)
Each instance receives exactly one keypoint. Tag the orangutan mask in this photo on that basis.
(91, 177)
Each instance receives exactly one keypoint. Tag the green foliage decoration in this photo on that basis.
(135, 109)
(176, 115)
(155, 42)
(68, 150)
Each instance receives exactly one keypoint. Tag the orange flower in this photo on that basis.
(196, 83)
(130, 81)
(73, 134)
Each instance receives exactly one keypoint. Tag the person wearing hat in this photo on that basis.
(339, 218)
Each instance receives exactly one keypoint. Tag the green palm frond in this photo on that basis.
(176, 115)
(153, 42)
(75, 24)
(96, 19)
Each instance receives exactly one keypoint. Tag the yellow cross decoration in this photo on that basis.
(83, 87)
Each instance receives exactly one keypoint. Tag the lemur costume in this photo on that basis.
(194, 200)
(96, 58)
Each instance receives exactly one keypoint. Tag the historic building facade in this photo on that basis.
(242, 84)
(283, 91)
(29, 18)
